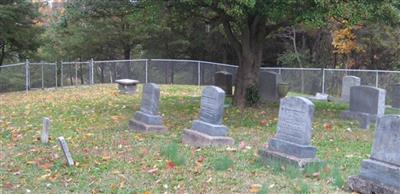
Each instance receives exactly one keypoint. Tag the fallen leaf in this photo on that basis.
(254, 188)
(263, 122)
(242, 145)
(170, 164)
(152, 171)
(328, 126)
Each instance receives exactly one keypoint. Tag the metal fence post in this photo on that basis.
(323, 80)
(27, 75)
(198, 73)
(376, 78)
(42, 76)
(55, 66)
(76, 74)
(62, 74)
(147, 70)
(91, 71)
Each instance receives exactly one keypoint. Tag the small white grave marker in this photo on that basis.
(44, 137)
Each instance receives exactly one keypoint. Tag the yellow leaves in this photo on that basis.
(254, 188)
(344, 41)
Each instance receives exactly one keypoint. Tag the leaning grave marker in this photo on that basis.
(147, 119)
(381, 172)
(292, 143)
(208, 130)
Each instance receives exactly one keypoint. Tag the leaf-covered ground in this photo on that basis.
(112, 159)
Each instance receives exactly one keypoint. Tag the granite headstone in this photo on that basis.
(292, 143)
(223, 80)
(208, 130)
(65, 149)
(366, 100)
(268, 86)
(147, 119)
(347, 83)
(381, 172)
(396, 95)
(44, 136)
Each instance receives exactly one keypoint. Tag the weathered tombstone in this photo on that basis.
(223, 80)
(396, 96)
(347, 83)
(381, 172)
(44, 136)
(67, 154)
(127, 86)
(147, 119)
(366, 101)
(292, 142)
(268, 86)
(208, 130)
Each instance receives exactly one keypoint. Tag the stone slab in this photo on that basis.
(127, 81)
(357, 116)
(381, 172)
(269, 156)
(150, 99)
(367, 99)
(146, 128)
(365, 186)
(149, 119)
(364, 120)
(212, 105)
(198, 139)
(44, 136)
(209, 129)
(297, 150)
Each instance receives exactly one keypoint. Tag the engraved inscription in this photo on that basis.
(212, 105)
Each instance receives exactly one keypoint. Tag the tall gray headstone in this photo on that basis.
(366, 100)
(347, 83)
(208, 130)
(65, 149)
(381, 172)
(148, 118)
(44, 136)
(292, 143)
(268, 86)
(396, 95)
(223, 80)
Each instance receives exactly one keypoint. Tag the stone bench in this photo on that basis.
(127, 86)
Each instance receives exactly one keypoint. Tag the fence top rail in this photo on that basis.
(75, 62)
(290, 68)
(123, 60)
(365, 70)
(193, 61)
(38, 63)
(12, 65)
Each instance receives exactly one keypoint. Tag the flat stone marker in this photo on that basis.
(44, 136)
(347, 83)
(67, 154)
(292, 142)
(127, 86)
(366, 100)
(208, 130)
(381, 172)
(396, 96)
(268, 86)
(319, 97)
(223, 80)
(147, 119)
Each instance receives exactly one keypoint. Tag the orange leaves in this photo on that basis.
(328, 127)
(255, 188)
(170, 165)
(344, 41)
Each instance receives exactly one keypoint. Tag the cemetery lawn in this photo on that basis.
(111, 159)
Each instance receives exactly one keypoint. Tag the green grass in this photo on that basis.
(112, 159)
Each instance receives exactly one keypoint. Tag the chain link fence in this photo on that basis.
(26, 76)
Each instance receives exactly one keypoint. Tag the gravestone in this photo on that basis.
(268, 86)
(396, 96)
(147, 119)
(44, 136)
(208, 130)
(366, 101)
(67, 154)
(292, 142)
(347, 83)
(381, 172)
(223, 80)
(319, 97)
(127, 86)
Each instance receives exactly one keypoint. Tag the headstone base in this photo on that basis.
(210, 129)
(358, 116)
(138, 126)
(127, 89)
(198, 139)
(269, 156)
(381, 172)
(365, 186)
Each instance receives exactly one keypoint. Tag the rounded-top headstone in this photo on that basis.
(212, 105)
(347, 83)
(295, 120)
